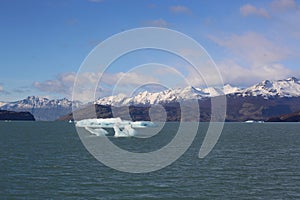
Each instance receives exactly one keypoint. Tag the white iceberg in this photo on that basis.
(127, 131)
(122, 128)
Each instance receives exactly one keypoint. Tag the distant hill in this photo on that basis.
(19, 116)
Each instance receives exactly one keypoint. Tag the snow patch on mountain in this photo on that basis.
(167, 96)
(2, 103)
(37, 102)
(281, 88)
(228, 89)
(42, 108)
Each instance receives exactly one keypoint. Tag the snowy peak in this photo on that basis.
(228, 89)
(37, 102)
(167, 96)
(289, 87)
(147, 98)
(2, 103)
(42, 108)
(292, 79)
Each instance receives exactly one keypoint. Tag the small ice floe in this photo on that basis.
(122, 128)
(253, 121)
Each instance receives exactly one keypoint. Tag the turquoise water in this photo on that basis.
(41, 160)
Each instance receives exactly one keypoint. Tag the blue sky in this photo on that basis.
(43, 43)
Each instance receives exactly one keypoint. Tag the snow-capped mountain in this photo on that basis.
(281, 88)
(2, 103)
(226, 89)
(42, 108)
(167, 96)
(37, 102)
(46, 109)
(146, 97)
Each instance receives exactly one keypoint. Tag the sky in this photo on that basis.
(44, 43)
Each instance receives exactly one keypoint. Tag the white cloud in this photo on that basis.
(284, 5)
(62, 84)
(254, 58)
(287, 15)
(180, 9)
(157, 23)
(87, 82)
(249, 9)
(234, 73)
(254, 48)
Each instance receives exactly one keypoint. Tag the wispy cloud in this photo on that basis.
(248, 9)
(274, 8)
(127, 79)
(284, 5)
(64, 83)
(255, 57)
(180, 9)
(235, 73)
(157, 23)
(254, 48)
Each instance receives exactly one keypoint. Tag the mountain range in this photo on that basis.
(260, 101)
(43, 109)
(267, 89)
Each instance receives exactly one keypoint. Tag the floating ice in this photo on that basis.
(122, 128)
(127, 131)
(96, 131)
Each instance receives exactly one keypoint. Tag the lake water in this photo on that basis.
(46, 160)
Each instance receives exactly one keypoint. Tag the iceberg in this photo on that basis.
(96, 131)
(128, 131)
(122, 128)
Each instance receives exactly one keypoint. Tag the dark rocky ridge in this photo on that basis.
(19, 116)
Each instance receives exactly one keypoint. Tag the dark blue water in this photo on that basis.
(41, 160)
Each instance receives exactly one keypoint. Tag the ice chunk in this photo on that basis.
(122, 128)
